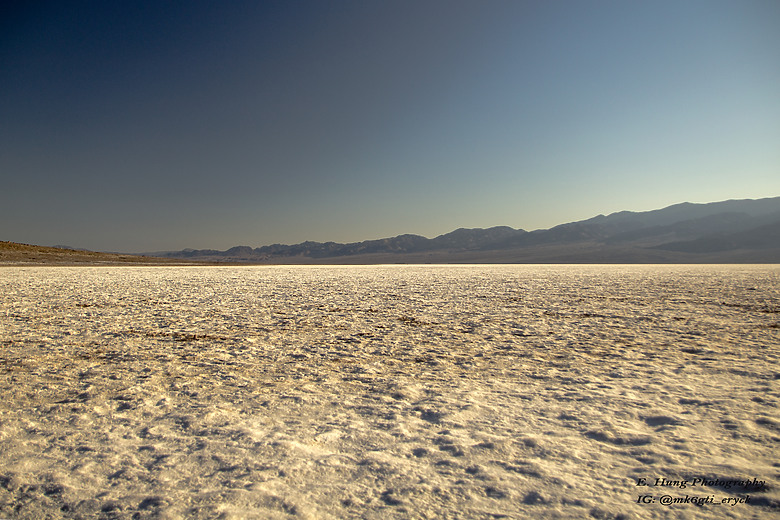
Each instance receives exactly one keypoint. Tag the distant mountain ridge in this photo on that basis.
(728, 231)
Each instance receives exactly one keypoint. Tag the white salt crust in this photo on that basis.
(389, 392)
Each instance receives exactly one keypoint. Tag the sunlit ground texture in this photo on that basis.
(390, 392)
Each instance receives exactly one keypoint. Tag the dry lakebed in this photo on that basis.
(372, 392)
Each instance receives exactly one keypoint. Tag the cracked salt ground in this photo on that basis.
(386, 391)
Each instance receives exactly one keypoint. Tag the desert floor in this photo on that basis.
(390, 392)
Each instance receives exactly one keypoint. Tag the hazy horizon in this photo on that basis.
(454, 229)
(71, 246)
(148, 127)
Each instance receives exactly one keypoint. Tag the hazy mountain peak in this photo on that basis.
(683, 232)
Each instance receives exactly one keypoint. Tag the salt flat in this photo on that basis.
(390, 392)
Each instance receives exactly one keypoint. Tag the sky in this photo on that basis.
(141, 126)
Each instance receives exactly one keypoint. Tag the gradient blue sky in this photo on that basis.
(150, 125)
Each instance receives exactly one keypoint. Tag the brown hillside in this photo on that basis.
(12, 253)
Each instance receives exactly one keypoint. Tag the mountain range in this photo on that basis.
(738, 231)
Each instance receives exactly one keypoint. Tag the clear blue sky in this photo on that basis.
(152, 125)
